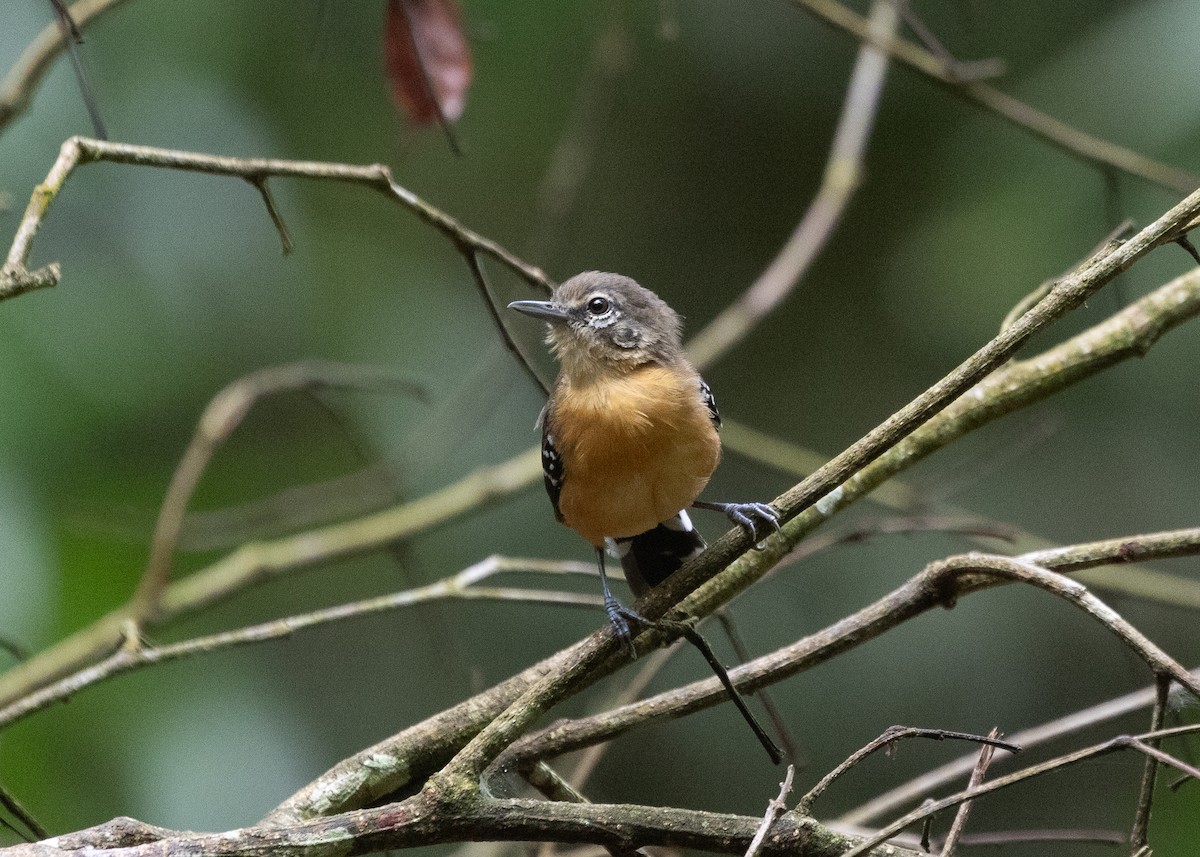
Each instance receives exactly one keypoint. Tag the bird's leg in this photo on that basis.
(749, 516)
(618, 614)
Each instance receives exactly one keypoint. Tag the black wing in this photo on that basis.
(711, 403)
(552, 466)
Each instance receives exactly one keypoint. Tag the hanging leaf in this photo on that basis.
(428, 59)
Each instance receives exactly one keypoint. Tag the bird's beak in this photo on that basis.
(546, 310)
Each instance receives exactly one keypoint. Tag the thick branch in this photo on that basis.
(829, 487)
(423, 821)
(940, 584)
(1131, 332)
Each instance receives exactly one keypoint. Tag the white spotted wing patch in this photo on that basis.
(552, 471)
(707, 397)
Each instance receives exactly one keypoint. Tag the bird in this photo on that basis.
(629, 433)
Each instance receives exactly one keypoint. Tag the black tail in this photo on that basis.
(650, 558)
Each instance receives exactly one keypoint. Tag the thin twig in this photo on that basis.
(257, 562)
(26, 74)
(956, 568)
(223, 414)
(136, 654)
(887, 740)
(72, 38)
(16, 278)
(954, 836)
(1077, 721)
(19, 812)
(1014, 837)
(1121, 742)
(1054, 131)
(1139, 837)
(475, 265)
(843, 171)
(961, 69)
(776, 807)
(264, 190)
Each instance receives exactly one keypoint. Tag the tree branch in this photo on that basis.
(929, 808)
(905, 437)
(257, 562)
(937, 585)
(16, 278)
(26, 74)
(134, 653)
(843, 172)
(1058, 133)
(430, 818)
(941, 776)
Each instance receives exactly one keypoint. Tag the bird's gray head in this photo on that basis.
(600, 320)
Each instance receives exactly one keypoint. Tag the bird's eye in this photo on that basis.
(598, 306)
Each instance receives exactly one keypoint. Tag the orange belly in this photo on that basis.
(635, 450)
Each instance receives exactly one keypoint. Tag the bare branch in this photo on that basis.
(257, 562)
(937, 585)
(928, 782)
(1122, 742)
(26, 74)
(843, 171)
(16, 278)
(223, 414)
(775, 808)
(135, 653)
(436, 817)
(1072, 140)
(887, 741)
(1139, 837)
(962, 569)
(964, 809)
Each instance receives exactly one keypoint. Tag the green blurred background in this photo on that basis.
(704, 155)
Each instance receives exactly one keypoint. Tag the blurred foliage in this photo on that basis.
(712, 144)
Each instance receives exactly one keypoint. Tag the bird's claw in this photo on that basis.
(752, 517)
(621, 616)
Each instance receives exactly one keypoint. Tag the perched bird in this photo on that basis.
(629, 435)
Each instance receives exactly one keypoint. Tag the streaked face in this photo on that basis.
(606, 318)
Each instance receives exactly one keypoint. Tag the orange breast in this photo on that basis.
(635, 449)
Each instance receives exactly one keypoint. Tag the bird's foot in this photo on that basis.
(757, 519)
(621, 616)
